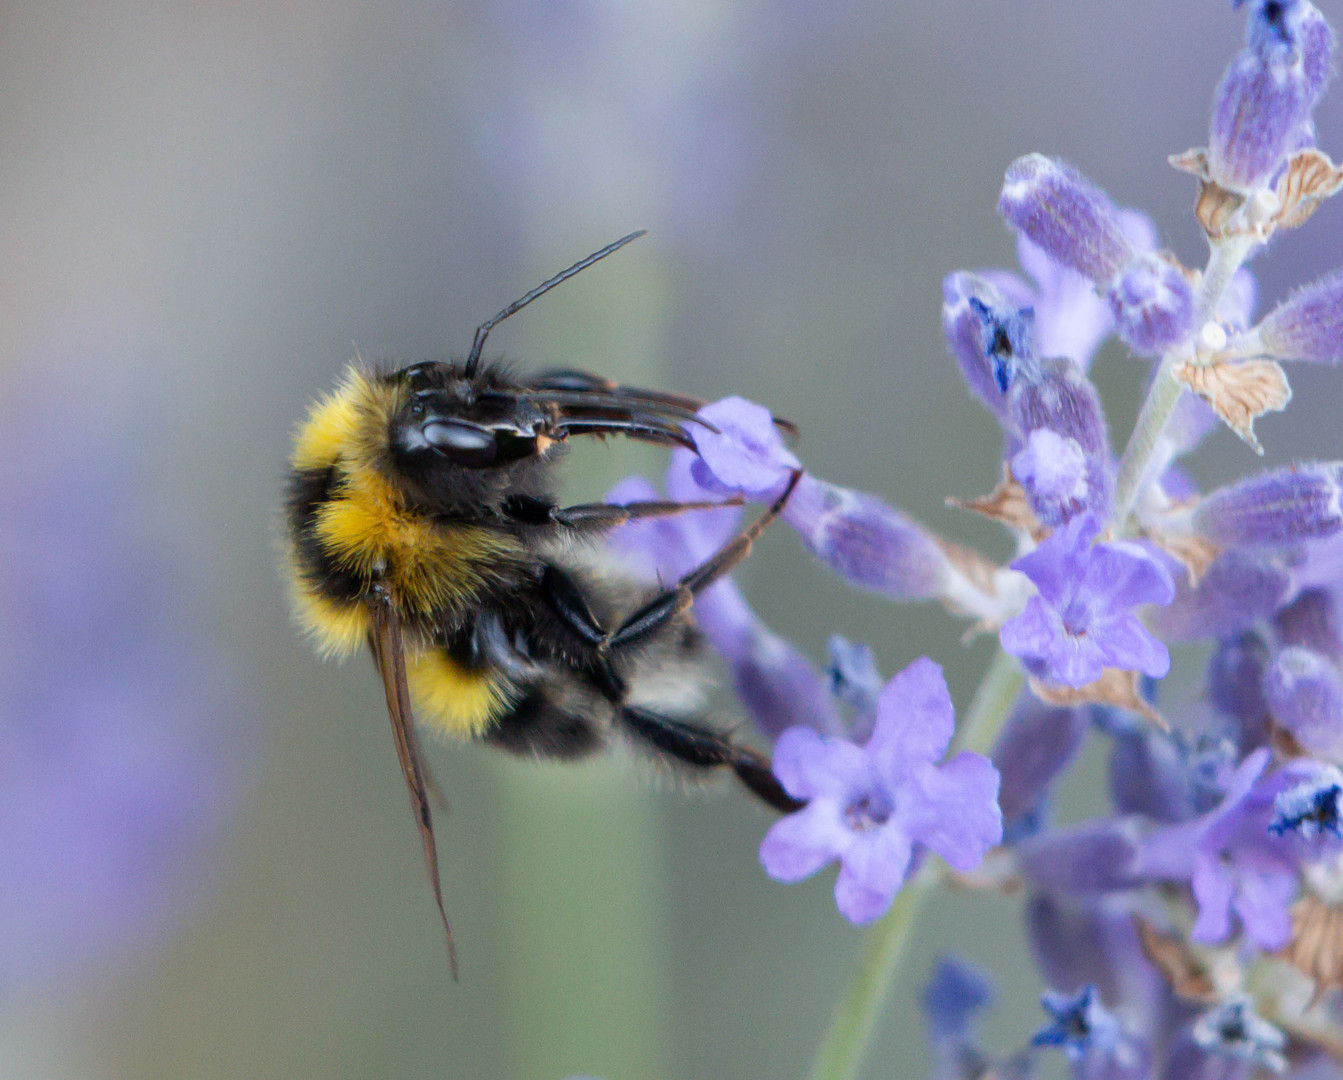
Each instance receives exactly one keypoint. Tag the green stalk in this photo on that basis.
(841, 1051)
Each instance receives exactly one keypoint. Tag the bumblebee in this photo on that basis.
(422, 521)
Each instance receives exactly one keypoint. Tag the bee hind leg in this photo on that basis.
(702, 748)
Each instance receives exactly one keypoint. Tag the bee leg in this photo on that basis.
(600, 516)
(703, 748)
(667, 605)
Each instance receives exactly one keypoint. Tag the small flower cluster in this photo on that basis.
(1198, 929)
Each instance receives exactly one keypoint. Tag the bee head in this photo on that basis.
(447, 418)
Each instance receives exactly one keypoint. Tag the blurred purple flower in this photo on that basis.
(1079, 1024)
(1082, 621)
(1232, 863)
(1241, 587)
(1304, 692)
(1053, 470)
(1300, 502)
(1308, 325)
(1311, 808)
(1153, 303)
(869, 806)
(125, 730)
(1232, 1028)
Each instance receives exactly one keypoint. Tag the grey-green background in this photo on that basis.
(271, 187)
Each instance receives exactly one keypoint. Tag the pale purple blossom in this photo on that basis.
(1301, 502)
(1083, 620)
(873, 807)
(1308, 325)
(1304, 692)
(1153, 303)
(1053, 470)
(1231, 862)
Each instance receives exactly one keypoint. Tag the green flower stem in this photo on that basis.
(841, 1052)
(1157, 408)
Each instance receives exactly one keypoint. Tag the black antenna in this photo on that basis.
(483, 331)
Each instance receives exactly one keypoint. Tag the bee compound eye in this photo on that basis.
(461, 442)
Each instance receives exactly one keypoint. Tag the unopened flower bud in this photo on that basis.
(1301, 502)
(1061, 211)
(1305, 695)
(1153, 304)
(1268, 92)
(1308, 325)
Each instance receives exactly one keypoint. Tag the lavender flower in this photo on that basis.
(870, 806)
(858, 536)
(1308, 325)
(1153, 304)
(1235, 686)
(125, 732)
(1073, 221)
(1304, 692)
(1232, 863)
(1311, 621)
(953, 996)
(964, 298)
(1053, 470)
(1036, 747)
(1312, 808)
(1241, 587)
(1297, 503)
(1234, 1029)
(1079, 1023)
(1083, 620)
(1267, 94)
(1057, 396)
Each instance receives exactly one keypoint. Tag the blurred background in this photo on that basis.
(207, 865)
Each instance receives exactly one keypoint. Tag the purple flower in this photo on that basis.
(1304, 692)
(964, 296)
(1095, 857)
(1311, 621)
(1053, 470)
(1308, 325)
(745, 455)
(1036, 747)
(953, 996)
(1241, 587)
(1235, 686)
(1311, 807)
(1082, 621)
(124, 733)
(1079, 1023)
(1266, 96)
(1232, 1028)
(1057, 395)
(854, 680)
(1006, 339)
(1300, 502)
(1067, 216)
(1071, 319)
(1232, 862)
(869, 806)
(1153, 304)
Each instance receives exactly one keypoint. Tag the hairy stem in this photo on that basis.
(1139, 458)
(841, 1051)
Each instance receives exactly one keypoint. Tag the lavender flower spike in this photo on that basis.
(1301, 502)
(1266, 96)
(1061, 211)
(1308, 325)
(870, 806)
(1153, 304)
(1082, 621)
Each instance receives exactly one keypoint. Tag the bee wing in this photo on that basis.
(389, 656)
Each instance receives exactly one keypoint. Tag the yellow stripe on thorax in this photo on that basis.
(455, 699)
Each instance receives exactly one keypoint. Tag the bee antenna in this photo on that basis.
(483, 330)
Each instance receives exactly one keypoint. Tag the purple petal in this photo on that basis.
(1127, 645)
(957, 813)
(1213, 888)
(1263, 902)
(915, 720)
(811, 766)
(1153, 304)
(747, 453)
(1059, 563)
(1239, 588)
(1128, 576)
(873, 871)
(800, 844)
